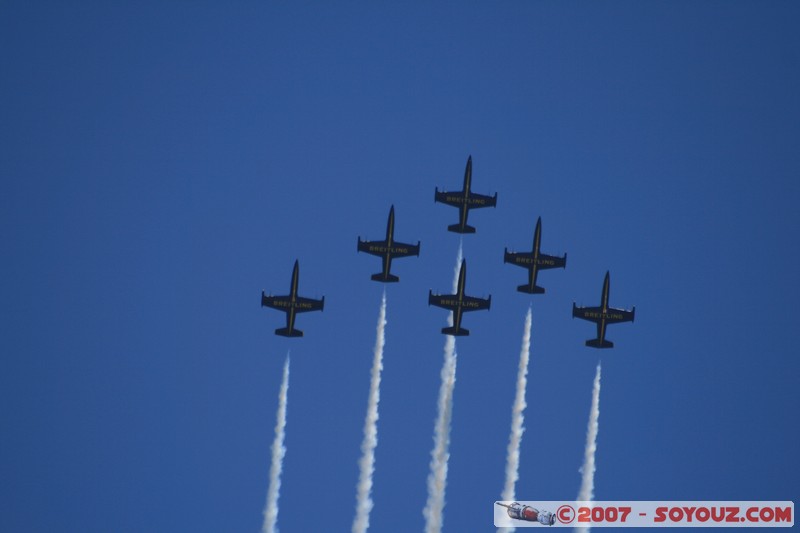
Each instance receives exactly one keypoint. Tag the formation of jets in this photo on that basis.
(458, 303)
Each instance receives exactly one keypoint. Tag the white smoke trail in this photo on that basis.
(586, 492)
(367, 462)
(278, 452)
(517, 417)
(437, 478)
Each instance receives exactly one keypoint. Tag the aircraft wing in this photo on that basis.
(303, 305)
(595, 314)
(481, 200)
(445, 301)
(620, 315)
(592, 314)
(277, 302)
(449, 198)
(401, 249)
(379, 248)
(372, 247)
(471, 303)
(522, 259)
(551, 261)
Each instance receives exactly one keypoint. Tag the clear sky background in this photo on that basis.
(162, 163)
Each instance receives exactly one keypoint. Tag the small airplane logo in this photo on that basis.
(517, 511)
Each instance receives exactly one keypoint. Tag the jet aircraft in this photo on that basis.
(387, 250)
(603, 316)
(458, 303)
(465, 200)
(291, 305)
(534, 261)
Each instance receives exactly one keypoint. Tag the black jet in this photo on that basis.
(465, 200)
(387, 250)
(458, 303)
(534, 261)
(603, 316)
(291, 305)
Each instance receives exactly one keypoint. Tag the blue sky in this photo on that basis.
(163, 163)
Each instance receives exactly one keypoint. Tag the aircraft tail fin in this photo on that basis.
(597, 343)
(286, 332)
(457, 332)
(388, 278)
(458, 229)
(527, 289)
